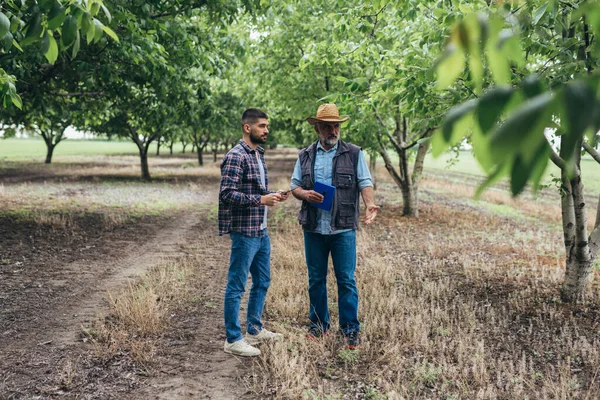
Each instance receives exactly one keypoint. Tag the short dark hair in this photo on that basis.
(251, 115)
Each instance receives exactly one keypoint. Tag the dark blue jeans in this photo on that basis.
(342, 247)
(248, 254)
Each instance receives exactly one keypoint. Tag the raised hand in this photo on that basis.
(284, 194)
(270, 199)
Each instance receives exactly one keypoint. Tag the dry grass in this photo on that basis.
(456, 304)
(545, 208)
(54, 220)
(139, 313)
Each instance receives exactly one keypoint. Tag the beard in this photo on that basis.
(256, 138)
(331, 140)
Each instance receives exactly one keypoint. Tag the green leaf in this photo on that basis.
(34, 30)
(95, 8)
(521, 129)
(438, 143)
(474, 25)
(580, 103)
(523, 170)
(111, 33)
(540, 167)
(481, 149)
(4, 24)
(69, 31)
(7, 41)
(91, 33)
(56, 16)
(539, 13)
(499, 66)
(107, 13)
(17, 46)
(86, 21)
(76, 44)
(15, 23)
(511, 47)
(532, 86)
(499, 173)
(455, 115)
(519, 175)
(52, 53)
(450, 66)
(491, 105)
(16, 100)
(45, 42)
(99, 28)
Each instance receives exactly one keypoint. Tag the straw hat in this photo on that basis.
(327, 112)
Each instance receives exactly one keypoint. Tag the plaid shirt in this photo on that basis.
(239, 197)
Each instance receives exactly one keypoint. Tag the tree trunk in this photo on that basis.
(410, 201)
(214, 155)
(193, 148)
(579, 257)
(200, 159)
(373, 168)
(158, 147)
(171, 149)
(144, 163)
(49, 150)
(184, 146)
(576, 280)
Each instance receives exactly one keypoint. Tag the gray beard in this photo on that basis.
(331, 142)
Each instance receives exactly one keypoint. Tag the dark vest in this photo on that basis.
(346, 204)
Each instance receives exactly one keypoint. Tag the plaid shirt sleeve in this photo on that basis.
(232, 171)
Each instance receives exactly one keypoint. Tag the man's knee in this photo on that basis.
(262, 284)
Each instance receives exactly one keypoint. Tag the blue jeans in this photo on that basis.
(342, 247)
(248, 254)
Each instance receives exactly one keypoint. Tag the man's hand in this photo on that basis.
(270, 199)
(371, 213)
(312, 197)
(284, 194)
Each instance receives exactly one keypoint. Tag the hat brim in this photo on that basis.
(313, 121)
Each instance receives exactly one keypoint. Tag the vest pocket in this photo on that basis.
(344, 178)
(345, 215)
(346, 209)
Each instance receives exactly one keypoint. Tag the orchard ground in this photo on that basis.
(112, 288)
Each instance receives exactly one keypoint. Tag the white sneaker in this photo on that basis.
(241, 348)
(263, 336)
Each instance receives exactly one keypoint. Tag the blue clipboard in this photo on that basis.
(328, 193)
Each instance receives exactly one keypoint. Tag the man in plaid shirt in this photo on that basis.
(243, 200)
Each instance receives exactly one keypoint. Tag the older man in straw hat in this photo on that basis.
(333, 162)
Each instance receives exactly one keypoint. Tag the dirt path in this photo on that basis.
(193, 364)
(40, 342)
(33, 358)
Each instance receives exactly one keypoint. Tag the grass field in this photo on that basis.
(35, 149)
(466, 163)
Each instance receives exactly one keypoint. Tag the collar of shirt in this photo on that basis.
(320, 147)
(250, 149)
